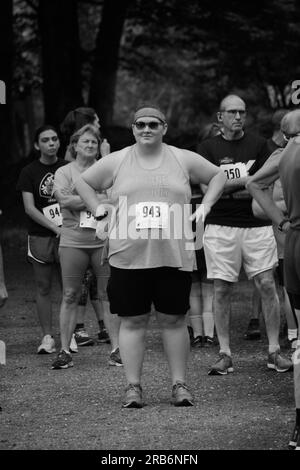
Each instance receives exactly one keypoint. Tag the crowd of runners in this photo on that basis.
(156, 229)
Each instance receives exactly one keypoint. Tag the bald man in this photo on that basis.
(286, 165)
(234, 237)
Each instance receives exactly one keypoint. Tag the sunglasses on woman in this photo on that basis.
(153, 125)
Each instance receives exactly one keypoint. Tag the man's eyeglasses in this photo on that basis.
(233, 112)
(287, 137)
(153, 125)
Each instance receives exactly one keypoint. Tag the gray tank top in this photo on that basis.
(151, 226)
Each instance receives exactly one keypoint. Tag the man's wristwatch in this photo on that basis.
(281, 224)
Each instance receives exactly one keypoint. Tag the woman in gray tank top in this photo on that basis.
(151, 249)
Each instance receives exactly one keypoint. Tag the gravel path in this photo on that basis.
(79, 408)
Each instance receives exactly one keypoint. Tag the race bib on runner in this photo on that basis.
(234, 171)
(87, 220)
(152, 215)
(249, 164)
(53, 213)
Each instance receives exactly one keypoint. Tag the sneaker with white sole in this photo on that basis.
(82, 338)
(47, 345)
(73, 345)
(222, 366)
(115, 358)
(295, 438)
(279, 363)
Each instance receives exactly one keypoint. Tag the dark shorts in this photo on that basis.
(292, 262)
(43, 250)
(131, 292)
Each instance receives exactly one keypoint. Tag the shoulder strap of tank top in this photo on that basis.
(122, 154)
(74, 174)
(179, 155)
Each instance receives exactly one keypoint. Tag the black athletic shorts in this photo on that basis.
(131, 292)
(292, 262)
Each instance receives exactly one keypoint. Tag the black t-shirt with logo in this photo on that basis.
(250, 149)
(37, 178)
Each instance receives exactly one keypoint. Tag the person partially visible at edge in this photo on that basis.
(286, 166)
(3, 290)
(277, 195)
(78, 247)
(151, 263)
(44, 221)
(275, 142)
(233, 236)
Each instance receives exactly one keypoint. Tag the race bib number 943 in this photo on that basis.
(234, 171)
(53, 213)
(152, 215)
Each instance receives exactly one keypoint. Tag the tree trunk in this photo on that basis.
(62, 84)
(6, 54)
(104, 76)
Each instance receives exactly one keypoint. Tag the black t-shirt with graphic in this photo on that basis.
(250, 149)
(37, 178)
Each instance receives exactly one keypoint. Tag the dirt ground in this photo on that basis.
(79, 408)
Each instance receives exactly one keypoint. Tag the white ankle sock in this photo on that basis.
(292, 334)
(208, 324)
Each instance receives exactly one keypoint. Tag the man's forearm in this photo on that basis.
(265, 200)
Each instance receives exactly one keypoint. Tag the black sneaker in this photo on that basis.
(82, 338)
(209, 341)
(278, 362)
(63, 361)
(197, 342)
(103, 336)
(253, 331)
(295, 439)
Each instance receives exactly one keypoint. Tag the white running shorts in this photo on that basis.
(227, 249)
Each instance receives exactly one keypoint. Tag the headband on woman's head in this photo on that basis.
(149, 112)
